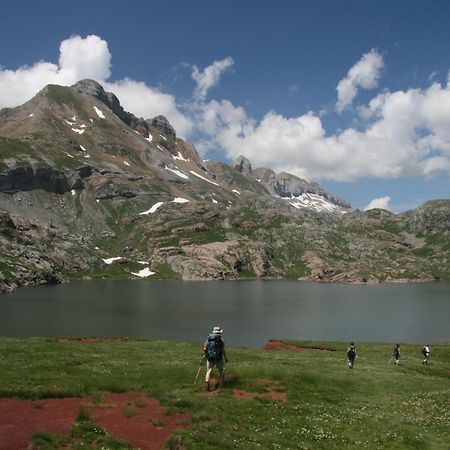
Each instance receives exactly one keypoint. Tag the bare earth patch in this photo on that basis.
(239, 394)
(19, 419)
(279, 345)
(272, 389)
(131, 416)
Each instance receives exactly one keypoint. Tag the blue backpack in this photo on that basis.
(214, 348)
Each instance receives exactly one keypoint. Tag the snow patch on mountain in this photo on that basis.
(203, 178)
(180, 200)
(315, 202)
(99, 113)
(143, 273)
(152, 209)
(111, 260)
(177, 172)
(180, 157)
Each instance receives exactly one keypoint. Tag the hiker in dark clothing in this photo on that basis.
(351, 355)
(214, 350)
(425, 353)
(396, 354)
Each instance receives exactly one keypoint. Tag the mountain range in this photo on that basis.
(89, 190)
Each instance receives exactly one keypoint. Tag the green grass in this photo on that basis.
(65, 96)
(19, 151)
(84, 435)
(375, 405)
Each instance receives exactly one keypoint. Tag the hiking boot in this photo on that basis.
(207, 388)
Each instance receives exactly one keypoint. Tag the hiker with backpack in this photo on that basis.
(425, 353)
(396, 354)
(214, 350)
(351, 355)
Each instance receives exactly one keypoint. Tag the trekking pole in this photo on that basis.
(390, 359)
(199, 368)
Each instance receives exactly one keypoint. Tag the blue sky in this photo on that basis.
(261, 78)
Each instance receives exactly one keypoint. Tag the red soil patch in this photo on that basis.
(272, 395)
(19, 419)
(147, 428)
(278, 345)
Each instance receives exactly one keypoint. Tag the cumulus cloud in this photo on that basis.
(79, 58)
(381, 203)
(364, 74)
(84, 57)
(209, 76)
(405, 133)
(89, 57)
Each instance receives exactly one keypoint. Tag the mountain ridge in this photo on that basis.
(83, 182)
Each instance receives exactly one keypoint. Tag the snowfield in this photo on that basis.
(315, 202)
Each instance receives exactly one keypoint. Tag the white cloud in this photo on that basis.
(84, 58)
(210, 76)
(79, 58)
(89, 57)
(381, 203)
(406, 134)
(364, 74)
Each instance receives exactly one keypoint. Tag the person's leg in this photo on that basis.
(220, 367)
(209, 368)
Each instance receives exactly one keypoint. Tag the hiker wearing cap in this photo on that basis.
(396, 354)
(214, 350)
(351, 354)
(425, 353)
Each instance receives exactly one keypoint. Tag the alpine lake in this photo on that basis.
(250, 312)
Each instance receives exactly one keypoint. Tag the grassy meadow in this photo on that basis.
(374, 405)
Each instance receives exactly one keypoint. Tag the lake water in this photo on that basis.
(250, 312)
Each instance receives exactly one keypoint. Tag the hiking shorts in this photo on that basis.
(210, 364)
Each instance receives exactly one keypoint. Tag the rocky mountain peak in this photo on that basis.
(162, 124)
(91, 87)
(242, 165)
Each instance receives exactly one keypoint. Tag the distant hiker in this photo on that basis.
(425, 353)
(214, 350)
(396, 354)
(351, 355)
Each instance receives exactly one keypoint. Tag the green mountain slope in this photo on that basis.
(89, 190)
